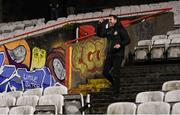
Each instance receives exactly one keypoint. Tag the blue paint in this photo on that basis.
(21, 78)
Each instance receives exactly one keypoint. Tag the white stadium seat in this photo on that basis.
(22, 110)
(7, 101)
(97, 14)
(15, 94)
(175, 109)
(88, 15)
(56, 90)
(144, 8)
(36, 91)
(125, 10)
(157, 37)
(172, 96)
(149, 96)
(4, 110)
(116, 12)
(142, 50)
(154, 108)
(62, 19)
(106, 12)
(159, 48)
(79, 16)
(56, 100)
(122, 108)
(171, 85)
(31, 100)
(154, 6)
(134, 9)
(71, 17)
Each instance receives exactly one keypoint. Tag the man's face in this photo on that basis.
(112, 21)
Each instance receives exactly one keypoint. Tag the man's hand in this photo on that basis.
(117, 46)
(101, 20)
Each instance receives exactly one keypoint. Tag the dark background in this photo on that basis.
(14, 10)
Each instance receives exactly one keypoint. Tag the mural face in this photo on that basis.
(59, 69)
(38, 58)
(18, 54)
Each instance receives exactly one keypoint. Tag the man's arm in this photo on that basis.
(101, 29)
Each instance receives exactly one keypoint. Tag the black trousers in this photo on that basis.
(111, 69)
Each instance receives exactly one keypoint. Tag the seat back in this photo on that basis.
(172, 96)
(175, 108)
(22, 110)
(122, 108)
(149, 96)
(4, 110)
(56, 90)
(153, 108)
(31, 100)
(171, 85)
(37, 91)
(7, 101)
(56, 99)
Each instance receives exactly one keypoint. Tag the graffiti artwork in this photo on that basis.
(88, 56)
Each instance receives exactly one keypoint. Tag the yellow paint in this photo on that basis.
(38, 58)
(70, 67)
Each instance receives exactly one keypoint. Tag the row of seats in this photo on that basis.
(37, 91)
(8, 30)
(158, 48)
(151, 102)
(53, 99)
(154, 108)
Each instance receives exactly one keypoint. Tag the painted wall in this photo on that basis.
(44, 60)
(34, 62)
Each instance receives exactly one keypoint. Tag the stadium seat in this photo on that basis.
(4, 110)
(171, 85)
(56, 100)
(154, 6)
(135, 8)
(19, 26)
(28, 23)
(153, 108)
(176, 31)
(144, 7)
(175, 109)
(116, 12)
(73, 104)
(149, 96)
(142, 50)
(79, 16)
(15, 94)
(22, 110)
(172, 96)
(36, 91)
(28, 29)
(158, 50)
(88, 15)
(106, 12)
(56, 90)
(31, 100)
(62, 19)
(41, 20)
(164, 5)
(122, 108)
(18, 32)
(125, 10)
(51, 22)
(7, 29)
(173, 51)
(34, 21)
(7, 101)
(157, 37)
(97, 14)
(71, 17)
(177, 20)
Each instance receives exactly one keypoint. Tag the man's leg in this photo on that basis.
(106, 69)
(117, 61)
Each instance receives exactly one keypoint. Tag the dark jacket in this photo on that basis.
(115, 35)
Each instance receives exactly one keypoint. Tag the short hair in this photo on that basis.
(114, 16)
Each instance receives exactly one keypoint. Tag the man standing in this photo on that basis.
(117, 39)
